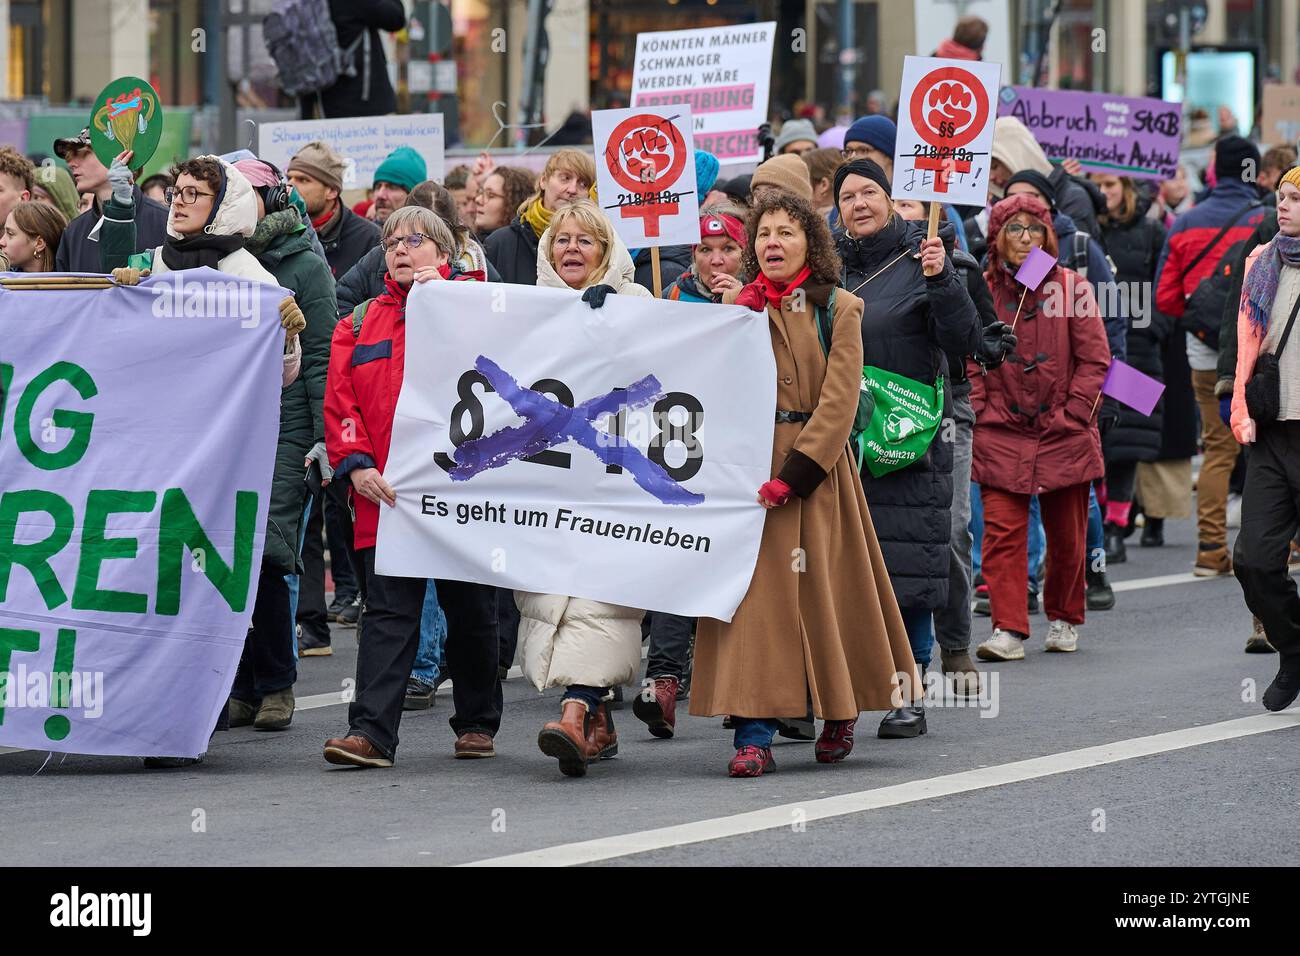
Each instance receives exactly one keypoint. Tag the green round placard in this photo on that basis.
(126, 115)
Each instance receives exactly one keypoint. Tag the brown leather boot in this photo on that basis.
(566, 739)
(602, 738)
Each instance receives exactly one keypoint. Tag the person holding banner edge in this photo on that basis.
(917, 313)
(826, 627)
(588, 646)
(366, 364)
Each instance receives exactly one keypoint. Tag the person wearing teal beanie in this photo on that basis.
(397, 175)
(706, 173)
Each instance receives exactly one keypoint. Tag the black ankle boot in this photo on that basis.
(1099, 596)
(903, 722)
(1114, 542)
(1153, 533)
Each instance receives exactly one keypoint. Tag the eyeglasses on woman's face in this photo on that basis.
(413, 241)
(186, 196)
(1037, 230)
(856, 152)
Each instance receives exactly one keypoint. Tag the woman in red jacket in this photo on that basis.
(1035, 432)
(365, 377)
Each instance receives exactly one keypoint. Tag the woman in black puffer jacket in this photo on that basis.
(910, 323)
(1128, 437)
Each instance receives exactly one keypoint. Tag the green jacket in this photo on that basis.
(284, 248)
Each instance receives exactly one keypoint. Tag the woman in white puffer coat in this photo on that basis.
(586, 646)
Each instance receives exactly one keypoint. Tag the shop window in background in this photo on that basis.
(614, 25)
(481, 71)
(27, 37)
(175, 71)
(1077, 67)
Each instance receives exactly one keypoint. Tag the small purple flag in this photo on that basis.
(1126, 384)
(1036, 265)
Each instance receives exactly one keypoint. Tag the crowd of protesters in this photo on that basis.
(1034, 484)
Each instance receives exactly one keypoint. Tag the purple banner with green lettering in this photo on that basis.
(1120, 135)
(138, 430)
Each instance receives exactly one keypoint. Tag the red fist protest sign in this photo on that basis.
(646, 155)
(949, 108)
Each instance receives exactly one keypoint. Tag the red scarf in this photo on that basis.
(763, 290)
(324, 217)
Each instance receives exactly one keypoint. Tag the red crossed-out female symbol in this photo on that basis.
(646, 155)
(949, 109)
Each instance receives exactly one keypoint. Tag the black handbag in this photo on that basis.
(1264, 390)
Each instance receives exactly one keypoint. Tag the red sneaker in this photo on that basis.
(835, 742)
(657, 706)
(751, 761)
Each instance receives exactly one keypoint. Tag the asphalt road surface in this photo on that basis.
(1146, 747)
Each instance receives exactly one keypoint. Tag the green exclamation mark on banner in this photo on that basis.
(58, 726)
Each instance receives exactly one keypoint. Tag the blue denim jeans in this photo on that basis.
(431, 659)
(292, 579)
(591, 696)
(1096, 538)
(752, 731)
(1037, 539)
(919, 622)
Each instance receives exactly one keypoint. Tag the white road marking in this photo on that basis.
(773, 818)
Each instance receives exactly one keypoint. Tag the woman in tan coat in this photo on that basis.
(819, 622)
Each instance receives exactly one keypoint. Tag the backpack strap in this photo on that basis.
(1219, 235)
(358, 316)
(1079, 258)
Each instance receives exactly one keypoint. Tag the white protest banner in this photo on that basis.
(645, 174)
(1280, 124)
(945, 130)
(364, 141)
(498, 482)
(138, 430)
(722, 73)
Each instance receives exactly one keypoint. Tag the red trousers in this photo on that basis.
(1006, 539)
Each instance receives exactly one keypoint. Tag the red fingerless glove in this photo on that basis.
(775, 492)
(753, 297)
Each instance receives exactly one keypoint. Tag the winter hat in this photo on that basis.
(788, 173)
(402, 167)
(319, 161)
(861, 167)
(1040, 182)
(1233, 157)
(832, 138)
(877, 131)
(1292, 176)
(723, 224)
(737, 187)
(1005, 209)
(706, 172)
(258, 173)
(794, 131)
(1015, 147)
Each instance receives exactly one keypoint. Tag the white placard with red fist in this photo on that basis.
(645, 174)
(945, 130)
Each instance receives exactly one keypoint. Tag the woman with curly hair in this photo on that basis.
(918, 313)
(819, 622)
(505, 189)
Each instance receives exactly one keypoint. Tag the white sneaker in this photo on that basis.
(1062, 637)
(1002, 646)
(1234, 511)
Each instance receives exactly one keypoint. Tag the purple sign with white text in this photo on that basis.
(1120, 135)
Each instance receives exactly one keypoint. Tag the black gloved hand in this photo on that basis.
(594, 295)
(996, 341)
(1108, 416)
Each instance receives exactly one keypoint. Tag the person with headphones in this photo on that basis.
(217, 220)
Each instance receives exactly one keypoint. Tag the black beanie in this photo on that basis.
(861, 167)
(1230, 159)
(1038, 181)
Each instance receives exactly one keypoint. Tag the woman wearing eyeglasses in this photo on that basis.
(1035, 430)
(367, 361)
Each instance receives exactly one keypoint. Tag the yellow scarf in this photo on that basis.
(537, 216)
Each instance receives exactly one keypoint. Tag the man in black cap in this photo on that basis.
(79, 249)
